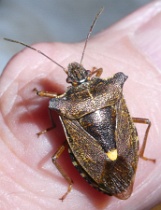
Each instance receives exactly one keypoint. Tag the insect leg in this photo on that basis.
(50, 95)
(96, 71)
(50, 128)
(144, 121)
(45, 93)
(60, 169)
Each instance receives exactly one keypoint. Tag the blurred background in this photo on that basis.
(55, 20)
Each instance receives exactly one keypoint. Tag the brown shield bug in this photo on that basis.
(100, 133)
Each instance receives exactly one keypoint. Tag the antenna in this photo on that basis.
(11, 40)
(89, 33)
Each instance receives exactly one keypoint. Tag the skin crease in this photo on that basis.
(28, 179)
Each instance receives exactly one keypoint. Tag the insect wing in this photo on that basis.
(126, 135)
(85, 149)
(127, 145)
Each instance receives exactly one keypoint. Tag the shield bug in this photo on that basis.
(100, 133)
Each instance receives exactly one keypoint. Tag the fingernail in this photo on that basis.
(148, 39)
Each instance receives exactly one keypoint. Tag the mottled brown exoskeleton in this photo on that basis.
(101, 135)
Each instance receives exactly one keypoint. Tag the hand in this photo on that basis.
(29, 180)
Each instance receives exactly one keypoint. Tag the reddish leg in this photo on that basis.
(144, 121)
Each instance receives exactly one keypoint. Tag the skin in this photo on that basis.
(28, 179)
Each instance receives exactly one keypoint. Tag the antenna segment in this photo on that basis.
(11, 40)
(89, 33)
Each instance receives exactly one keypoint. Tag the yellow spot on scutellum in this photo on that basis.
(112, 155)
